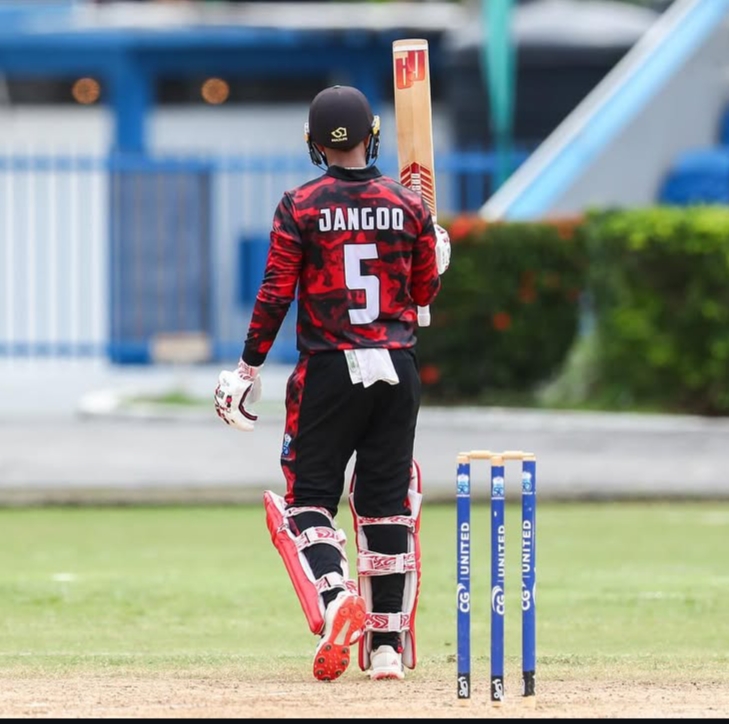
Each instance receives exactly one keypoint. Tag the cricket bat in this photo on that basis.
(414, 124)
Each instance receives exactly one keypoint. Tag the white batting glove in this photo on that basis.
(236, 392)
(442, 249)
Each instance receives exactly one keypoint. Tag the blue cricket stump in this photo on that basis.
(528, 575)
(498, 576)
(463, 577)
(498, 571)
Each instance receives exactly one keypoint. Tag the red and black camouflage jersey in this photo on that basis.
(361, 248)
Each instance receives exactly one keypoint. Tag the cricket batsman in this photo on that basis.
(359, 252)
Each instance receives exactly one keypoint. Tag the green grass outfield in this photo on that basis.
(639, 587)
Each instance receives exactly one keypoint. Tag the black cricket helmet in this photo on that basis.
(341, 117)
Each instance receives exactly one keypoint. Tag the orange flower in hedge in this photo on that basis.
(465, 225)
(479, 225)
(501, 321)
(527, 294)
(429, 374)
(528, 277)
(566, 226)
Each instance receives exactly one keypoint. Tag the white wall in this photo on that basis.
(225, 129)
(57, 129)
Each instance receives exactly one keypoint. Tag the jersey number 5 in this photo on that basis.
(354, 254)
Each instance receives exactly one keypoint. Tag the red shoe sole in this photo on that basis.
(386, 677)
(332, 654)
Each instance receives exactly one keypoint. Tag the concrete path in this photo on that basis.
(62, 440)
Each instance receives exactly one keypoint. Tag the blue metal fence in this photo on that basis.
(104, 257)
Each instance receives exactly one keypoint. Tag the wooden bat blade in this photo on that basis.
(413, 117)
(414, 125)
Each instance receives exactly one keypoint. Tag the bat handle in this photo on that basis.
(424, 312)
(424, 316)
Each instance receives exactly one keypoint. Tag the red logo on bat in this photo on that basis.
(419, 178)
(409, 69)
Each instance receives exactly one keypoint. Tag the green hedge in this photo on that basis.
(659, 284)
(508, 311)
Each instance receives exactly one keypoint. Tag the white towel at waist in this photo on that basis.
(371, 365)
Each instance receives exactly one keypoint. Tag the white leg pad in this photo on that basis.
(291, 547)
(370, 563)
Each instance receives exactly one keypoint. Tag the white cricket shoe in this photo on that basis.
(386, 663)
(344, 621)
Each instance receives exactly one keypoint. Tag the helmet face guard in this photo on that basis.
(318, 156)
(373, 142)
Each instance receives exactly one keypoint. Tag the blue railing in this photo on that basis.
(101, 257)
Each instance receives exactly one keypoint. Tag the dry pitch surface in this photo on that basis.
(168, 696)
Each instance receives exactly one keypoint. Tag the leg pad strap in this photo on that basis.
(291, 548)
(371, 563)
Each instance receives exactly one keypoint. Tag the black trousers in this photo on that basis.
(328, 420)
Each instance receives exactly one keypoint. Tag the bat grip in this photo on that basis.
(424, 316)
(424, 312)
